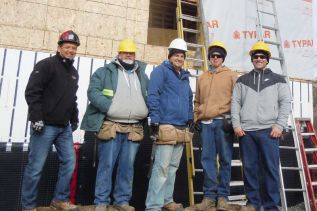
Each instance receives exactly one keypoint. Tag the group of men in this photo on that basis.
(122, 99)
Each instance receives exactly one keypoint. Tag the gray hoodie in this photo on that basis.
(260, 100)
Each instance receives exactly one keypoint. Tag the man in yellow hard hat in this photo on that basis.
(116, 112)
(212, 117)
(260, 106)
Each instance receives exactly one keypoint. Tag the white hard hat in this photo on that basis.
(179, 44)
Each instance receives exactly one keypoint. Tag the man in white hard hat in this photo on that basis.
(261, 103)
(212, 114)
(170, 110)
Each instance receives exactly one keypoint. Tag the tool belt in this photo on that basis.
(169, 134)
(109, 130)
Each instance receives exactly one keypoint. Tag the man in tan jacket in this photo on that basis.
(212, 114)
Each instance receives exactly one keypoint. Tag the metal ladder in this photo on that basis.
(308, 148)
(270, 15)
(189, 26)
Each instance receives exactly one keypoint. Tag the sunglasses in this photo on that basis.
(216, 56)
(257, 56)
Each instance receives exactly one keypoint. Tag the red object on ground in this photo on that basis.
(73, 183)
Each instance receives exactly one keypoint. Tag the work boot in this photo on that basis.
(124, 207)
(205, 204)
(247, 208)
(34, 209)
(172, 206)
(222, 204)
(63, 205)
(101, 207)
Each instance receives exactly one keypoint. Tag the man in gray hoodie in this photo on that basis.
(261, 103)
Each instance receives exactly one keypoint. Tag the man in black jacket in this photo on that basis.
(51, 97)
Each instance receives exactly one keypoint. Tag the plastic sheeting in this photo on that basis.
(234, 23)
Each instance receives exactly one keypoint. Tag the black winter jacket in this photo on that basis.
(51, 92)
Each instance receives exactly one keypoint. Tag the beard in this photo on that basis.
(128, 61)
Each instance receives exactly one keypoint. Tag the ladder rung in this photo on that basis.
(269, 27)
(314, 183)
(195, 148)
(237, 197)
(268, 13)
(288, 147)
(307, 134)
(191, 30)
(194, 45)
(271, 42)
(294, 190)
(189, 3)
(292, 168)
(199, 170)
(276, 58)
(236, 163)
(190, 18)
(312, 166)
(311, 150)
(236, 183)
(236, 145)
(194, 59)
(198, 193)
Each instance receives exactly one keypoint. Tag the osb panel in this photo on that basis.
(155, 54)
(141, 32)
(57, 22)
(143, 4)
(95, 7)
(17, 37)
(99, 47)
(132, 3)
(74, 4)
(17, 13)
(100, 24)
(35, 1)
(161, 37)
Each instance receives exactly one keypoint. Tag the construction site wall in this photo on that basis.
(36, 24)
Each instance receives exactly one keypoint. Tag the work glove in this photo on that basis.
(37, 126)
(154, 130)
(74, 126)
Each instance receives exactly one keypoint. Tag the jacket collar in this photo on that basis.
(183, 74)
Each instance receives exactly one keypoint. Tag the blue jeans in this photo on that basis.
(161, 185)
(40, 145)
(253, 145)
(123, 150)
(215, 141)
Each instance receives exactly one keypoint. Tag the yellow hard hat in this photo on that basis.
(260, 46)
(127, 45)
(217, 44)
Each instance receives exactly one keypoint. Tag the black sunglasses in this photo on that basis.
(257, 56)
(216, 56)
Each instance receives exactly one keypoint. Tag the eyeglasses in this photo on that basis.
(257, 56)
(216, 56)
